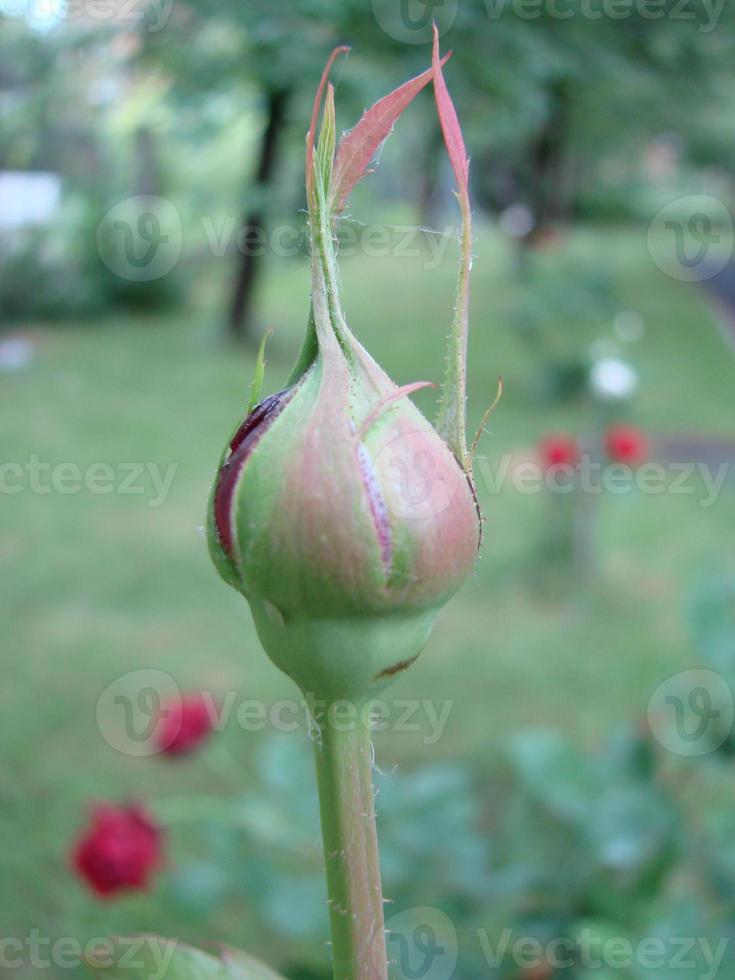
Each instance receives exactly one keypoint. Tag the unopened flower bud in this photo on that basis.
(339, 511)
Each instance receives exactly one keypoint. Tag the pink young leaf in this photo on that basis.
(311, 135)
(449, 122)
(356, 148)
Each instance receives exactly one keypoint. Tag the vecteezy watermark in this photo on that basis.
(419, 484)
(140, 238)
(692, 712)
(421, 487)
(422, 944)
(691, 238)
(374, 240)
(700, 956)
(594, 477)
(706, 13)
(410, 21)
(45, 14)
(134, 953)
(150, 480)
(130, 709)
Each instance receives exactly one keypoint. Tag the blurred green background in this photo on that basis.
(142, 150)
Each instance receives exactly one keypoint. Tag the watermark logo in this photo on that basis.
(692, 713)
(599, 954)
(136, 707)
(419, 478)
(691, 238)
(140, 238)
(45, 15)
(150, 480)
(422, 945)
(130, 709)
(410, 21)
(147, 955)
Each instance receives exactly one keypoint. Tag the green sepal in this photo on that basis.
(308, 352)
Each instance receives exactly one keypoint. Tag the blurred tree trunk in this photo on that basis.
(550, 185)
(147, 180)
(253, 223)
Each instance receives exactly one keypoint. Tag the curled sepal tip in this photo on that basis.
(485, 416)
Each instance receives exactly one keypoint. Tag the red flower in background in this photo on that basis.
(183, 723)
(558, 450)
(626, 444)
(119, 850)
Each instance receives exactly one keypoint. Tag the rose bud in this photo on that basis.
(183, 723)
(119, 850)
(343, 516)
(626, 444)
(558, 450)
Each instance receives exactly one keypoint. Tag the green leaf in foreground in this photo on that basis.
(156, 958)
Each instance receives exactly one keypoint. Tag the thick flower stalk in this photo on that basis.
(346, 518)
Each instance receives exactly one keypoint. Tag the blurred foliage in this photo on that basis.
(55, 272)
(562, 111)
(551, 288)
(627, 842)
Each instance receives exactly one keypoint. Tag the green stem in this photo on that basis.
(344, 774)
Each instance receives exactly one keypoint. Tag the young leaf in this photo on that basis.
(311, 135)
(257, 382)
(451, 410)
(449, 122)
(357, 148)
(324, 158)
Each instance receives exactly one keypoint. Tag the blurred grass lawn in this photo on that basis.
(97, 585)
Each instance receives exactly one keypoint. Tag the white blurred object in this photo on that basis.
(517, 220)
(629, 326)
(15, 354)
(28, 197)
(613, 379)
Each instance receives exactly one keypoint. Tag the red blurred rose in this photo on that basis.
(119, 849)
(558, 450)
(183, 723)
(626, 444)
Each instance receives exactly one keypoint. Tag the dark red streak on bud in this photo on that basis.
(261, 413)
(243, 442)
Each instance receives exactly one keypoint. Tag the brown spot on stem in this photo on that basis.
(396, 668)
